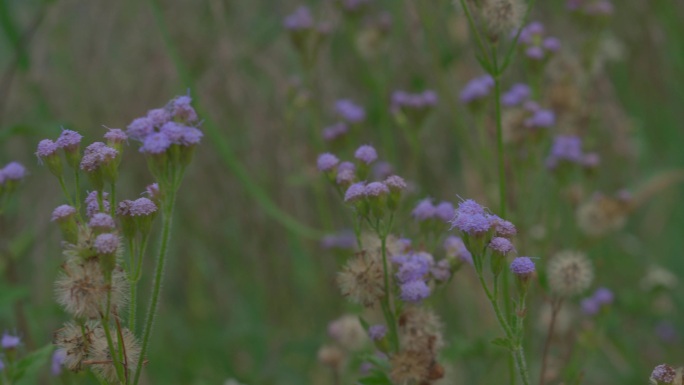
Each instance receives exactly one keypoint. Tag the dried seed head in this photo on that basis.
(74, 341)
(348, 332)
(664, 374)
(502, 16)
(421, 328)
(411, 367)
(101, 359)
(361, 280)
(601, 215)
(570, 273)
(331, 355)
(82, 288)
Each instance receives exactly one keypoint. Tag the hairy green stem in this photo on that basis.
(167, 216)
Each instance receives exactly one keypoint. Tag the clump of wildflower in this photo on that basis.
(377, 332)
(70, 142)
(101, 222)
(476, 91)
(346, 174)
(361, 279)
(47, 154)
(341, 240)
(413, 271)
(538, 117)
(9, 341)
(569, 273)
(335, 131)
(517, 95)
(93, 205)
(366, 154)
(501, 246)
(327, 162)
(350, 111)
(413, 106)
(65, 216)
(306, 36)
(456, 249)
(10, 176)
(664, 374)
(471, 219)
(535, 44)
(565, 149)
(424, 210)
(523, 267)
(355, 192)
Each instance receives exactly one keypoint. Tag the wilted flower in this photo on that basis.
(361, 279)
(569, 273)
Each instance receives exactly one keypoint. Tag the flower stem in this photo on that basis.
(386, 305)
(167, 216)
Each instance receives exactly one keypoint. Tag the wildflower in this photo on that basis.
(350, 111)
(535, 44)
(140, 128)
(69, 140)
(115, 136)
(417, 326)
(414, 291)
(13, 171)
(346, 174)
(501, 245)
(158, 116)
(377, 332)
(455, 248)
(74, 341)
(410, 366)
(414, 267)
(182, 110)
(664, 374)
(101, 222)
(300, 19)
(415, 107)
(541, 119)
(142, 207)
(569, 273)
(376, 189)
(476, 90)
(355, 192)
(47, 153)
(156, 144)
(58, 358)
(348, 332)
(445, 211)
(565, 149)
(82, 289)
(65, 216)
(366, 154)
(442, 270)
(63, 213)
(517, 95)
(342, 240)
(590, 306)
(503, 228)
(335, 131)
(604, 296)
(471, 207)
(362, 280)
(9, 341)
(471, 224)
(522, 267)
(153, 192)
(395, 183)
(106, 244)
(424, 210)
(100, 354)
(93, 204)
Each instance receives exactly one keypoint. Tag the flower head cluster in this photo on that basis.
(664, 374)
(335, 131)
(456, 249)
(518, 94)
(162, 128)
(593, 304)
(477, 90)
(412, 275)
(414, 106)
(536, 45)
(522, 267)
(10, 176)
(350, 111)
(9, 341)
(425, 210)
(565, 149)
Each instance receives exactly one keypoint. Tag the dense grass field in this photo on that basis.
(261, 230)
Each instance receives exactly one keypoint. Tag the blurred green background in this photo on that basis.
(249, 292)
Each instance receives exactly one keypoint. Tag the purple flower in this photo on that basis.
(603, 296)
(535, 52)
(565, 148)
(535, 44)
(382, 170)
(531, 31)
(350, 111)
(335, 131)
(355, 192)
(181, 109)
(551, 44)
(445, 211)
(472, 224)
(140, 128)
(591, 160)
(441, 271)
(501, 245)
(63, 212)
(106, 243)
(115, 135)
(476, 89)
(412, 270)
(418, 101)
(96, 155)
(101, 221)
(156, 144)
(366, 154)
(590, 306)
(664, 373)
(153, 191)
(455, 248)
(541, 119)
(158, 116)
(46, 148)
(414, 291)
(14, 171)
(395, 183)
(518, 94)
(503, 228)
(424, 210)
(327, 162)
(142, 207)
(300, 19)
(469, 206)
(9, 341)
(377, 332)
(69, 140)
(522, 266)
(346, 173)
(57, 360)
(341, 240)
(376, 189)
(93, 206)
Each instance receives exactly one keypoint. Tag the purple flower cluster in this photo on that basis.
(344, 240)
(350, 111)
(402, 100)
(593, 304)
(596, 8)
(12, 172)
(537, 46)
(472, 219)
(300, 19)
(517, 95)
(455, 248)
(522, 267)
(366, 154)
(163, 127)
(97, 155)
(425, 210)
(9, 341)
(93, 206)
(335, 131)
(413, 270)
(539, 117)
(377, 332)
(565, 148)
(477, 89)
(501, 245)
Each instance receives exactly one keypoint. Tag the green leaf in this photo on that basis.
(377, 378)
(364, 323)
(29, 367)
